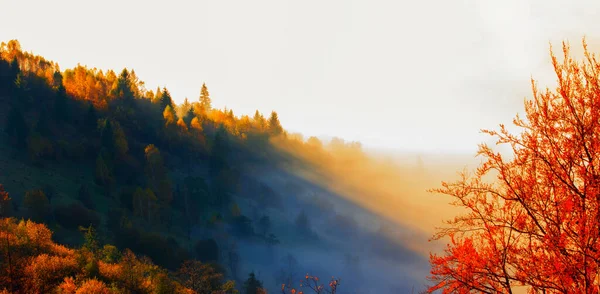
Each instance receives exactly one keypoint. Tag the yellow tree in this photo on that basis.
(169, 115)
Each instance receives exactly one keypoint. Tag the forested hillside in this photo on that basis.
(191, 188)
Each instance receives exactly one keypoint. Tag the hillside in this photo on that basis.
(84, 147)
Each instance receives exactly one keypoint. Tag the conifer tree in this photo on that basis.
(274, 124)
(205, 101)
(16, 127)
(165, 99)
(123, 87)
(253, 285)
(91, 118)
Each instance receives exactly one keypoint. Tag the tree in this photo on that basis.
(302, 222)
(288, 271)
(260, 121)
(43, 125)
(312, 283)
(103, 175)
(123, 87)
(90, 120)
(107, 137)
(182, 126)
(5, 205)
(196, 125)
(165, 99)
(85, 196)
(200, 277)
(264, 225)
(253, 285)
(189, 115)
(156, 175)
(537, 224)
(37, 204)
(274, 124)
(90, 237)
(169, 115)
(16, 127)
(205, 102)
(61, 105)
(144, 203)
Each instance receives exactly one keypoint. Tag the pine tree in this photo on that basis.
(165, 99)
(274, 124)
(107, 138)
(16, 127)
(259, 120)
(90, 120)
(253, 285)
(61, 105)
(43, 125)
(123, 87)
(188, 116)
(205, 101)
(157, 96)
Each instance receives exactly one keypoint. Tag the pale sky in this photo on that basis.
(399, 75)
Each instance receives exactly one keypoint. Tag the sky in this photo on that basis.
(418, 76)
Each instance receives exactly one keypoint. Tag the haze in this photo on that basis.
(400, 75)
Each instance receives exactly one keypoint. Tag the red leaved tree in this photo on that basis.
(538, 223)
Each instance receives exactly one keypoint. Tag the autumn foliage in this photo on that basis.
(537, 225)
(32, 263)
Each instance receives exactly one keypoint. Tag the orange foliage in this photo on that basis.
(93, 286)
(90, 84)
(181, 124)
(538, 224)
(45, 271)
(68, 286)
(28, 63)
(109, 271)
(31, 263)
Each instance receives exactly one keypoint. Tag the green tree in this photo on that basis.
(90, 238)
(37, 205)
(16, 127)
(61, 105)
(252, 285)
(107, 137)
(90, 120)
(113, 139)
(144, 203)
(43, 125)
(123, 88)
(85, 196)
(165, 99)
(103, 174)
(156, 175)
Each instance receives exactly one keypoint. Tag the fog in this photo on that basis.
(369, 219)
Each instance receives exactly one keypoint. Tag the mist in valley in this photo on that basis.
(365, 218)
